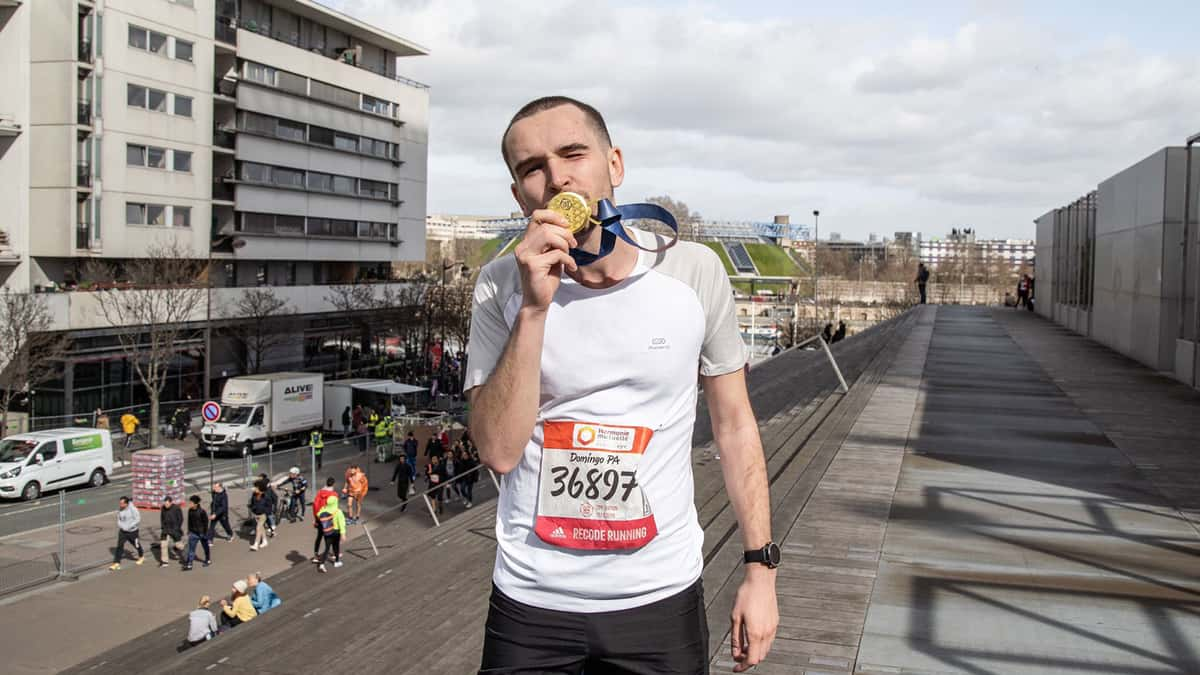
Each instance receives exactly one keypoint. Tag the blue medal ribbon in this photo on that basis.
(609, 218)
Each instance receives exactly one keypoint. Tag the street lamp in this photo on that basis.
(208, 285)
(816, 277)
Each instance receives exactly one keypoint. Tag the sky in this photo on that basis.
(885, 116)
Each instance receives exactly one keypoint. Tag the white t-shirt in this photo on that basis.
(623, 360)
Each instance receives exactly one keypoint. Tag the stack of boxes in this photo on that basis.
(157, 474)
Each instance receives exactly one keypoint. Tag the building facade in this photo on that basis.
(275, 139)
(961, 247)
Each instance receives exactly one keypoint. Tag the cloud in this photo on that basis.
(882, 123)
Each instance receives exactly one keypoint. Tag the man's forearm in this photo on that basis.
(504, 409)
(745, 473)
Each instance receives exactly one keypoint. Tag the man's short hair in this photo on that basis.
(195, 500)
(329, 482)
(549, 103)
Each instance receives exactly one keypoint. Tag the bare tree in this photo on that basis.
(351, 300)
(260, 317)
(687, 219)
(29, 353)
(150, 301)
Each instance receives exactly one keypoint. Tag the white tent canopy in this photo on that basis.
(390, 388)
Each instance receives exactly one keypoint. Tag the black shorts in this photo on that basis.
(668, 636)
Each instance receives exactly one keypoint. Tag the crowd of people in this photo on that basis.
(248, 598)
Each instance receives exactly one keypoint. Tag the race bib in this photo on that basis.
(588, 493)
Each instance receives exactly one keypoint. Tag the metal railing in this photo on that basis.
(84, 113)
(224, 31)
(83, 172)
(224, 139)
(85, 51)
(226, 88)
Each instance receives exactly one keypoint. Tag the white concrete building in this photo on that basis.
(276, 136)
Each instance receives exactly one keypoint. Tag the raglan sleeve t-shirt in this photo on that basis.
(617, 360)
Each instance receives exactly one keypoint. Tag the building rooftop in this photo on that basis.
(318, 12)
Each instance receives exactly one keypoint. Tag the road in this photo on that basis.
(85, 501)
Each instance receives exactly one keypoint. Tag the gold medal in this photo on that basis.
(574, 208)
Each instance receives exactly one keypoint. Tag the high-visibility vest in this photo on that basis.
(316, 441)
(381, 429)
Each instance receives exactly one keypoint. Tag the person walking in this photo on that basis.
(827, 334)
(381, 430)
(129, 424)
(360, 434)
(238, 609)
(466, 468)
(346, 422)
(1022, 291)
(260, 506)
(1032, 293)
(197, 521)
(128, 522)
(202, 625)
(331, 523)
(402, 477)
(170, 521)
(316, 439)
(840, 334)
(922, 279)
(410, 453)
(262, 596)
(319, 500)
(218, 507)
(356, 490)
(435, 476)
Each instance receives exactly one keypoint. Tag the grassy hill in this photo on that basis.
(773, 261)
(720, 251)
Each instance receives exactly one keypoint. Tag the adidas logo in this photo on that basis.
(558, 532)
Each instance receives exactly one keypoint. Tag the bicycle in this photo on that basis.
(288, 507)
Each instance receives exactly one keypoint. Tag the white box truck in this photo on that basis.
(261, 409)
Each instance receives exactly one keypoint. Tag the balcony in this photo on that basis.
(83, 173)
(83, 231)
(222, 191)
(226, 88)
(225, 31)
(224, 138)
(85, 51)
(7, 255)
(84, 113)
(8, 125)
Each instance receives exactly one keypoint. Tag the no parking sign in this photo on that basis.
(211, 411)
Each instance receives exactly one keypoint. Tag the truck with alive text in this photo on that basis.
(257, 410)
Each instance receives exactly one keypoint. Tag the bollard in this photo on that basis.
(62, 533)
(271, 460)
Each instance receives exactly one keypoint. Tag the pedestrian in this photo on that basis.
(272, 502)
(356, 490)
(198, 525)
(101, 419)
(588, 583)
(218, 507)
(402, 478)
(356, 417)
(827, 334)
(466, 468)
(202, 625)
(435, 475)
(1023, 291)
(331, 523)
(316, 440)
(238, 609)
(411, 454)
(262, 596)
(129, 424)
(433, 447)
(298, 486)
(360, 433)
(922, 279)
(128, 522)
(840, 334)
(260, 506)
(450, 489)
(346, 422)
(170, 520)
(1032, 293)
(319, 501)
(381, 433)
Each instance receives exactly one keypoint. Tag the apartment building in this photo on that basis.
(275, 138)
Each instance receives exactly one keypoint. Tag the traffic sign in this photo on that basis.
(211, 411)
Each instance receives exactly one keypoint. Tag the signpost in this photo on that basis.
(211, 412)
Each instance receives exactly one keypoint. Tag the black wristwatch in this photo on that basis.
(768, 555)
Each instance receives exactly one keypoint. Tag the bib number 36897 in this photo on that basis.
(588, 494)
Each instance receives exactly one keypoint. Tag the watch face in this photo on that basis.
(774, 555)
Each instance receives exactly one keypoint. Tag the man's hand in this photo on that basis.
(755, 618)
(541, 257)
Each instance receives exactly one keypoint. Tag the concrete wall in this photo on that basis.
(1043, 273)
(15, 83)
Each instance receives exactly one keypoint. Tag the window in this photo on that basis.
(293, 131)
(294, 84)
(47, 450)
(156, 100)
(289, 274)
(182, 160)
(255, 123)
(343, 228)
(255, 173)
(374, 105)
(156, 214)
(138, 37)
(181, 216)
(287, 177)
(135, 214)
(373, 188)
(318, 226)
(183, 105)
(345, 142)
(335, 95)
(256, 72)
(135, 95)
(320, 181)
(343, 185)
(158, 42)
(320, 136)
(373, 147)
(135, 155)
(260, 277)
(156, 158)
(289, 224)
(183, 50)
(258, 222)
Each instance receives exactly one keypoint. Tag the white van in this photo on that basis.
(33, 463)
